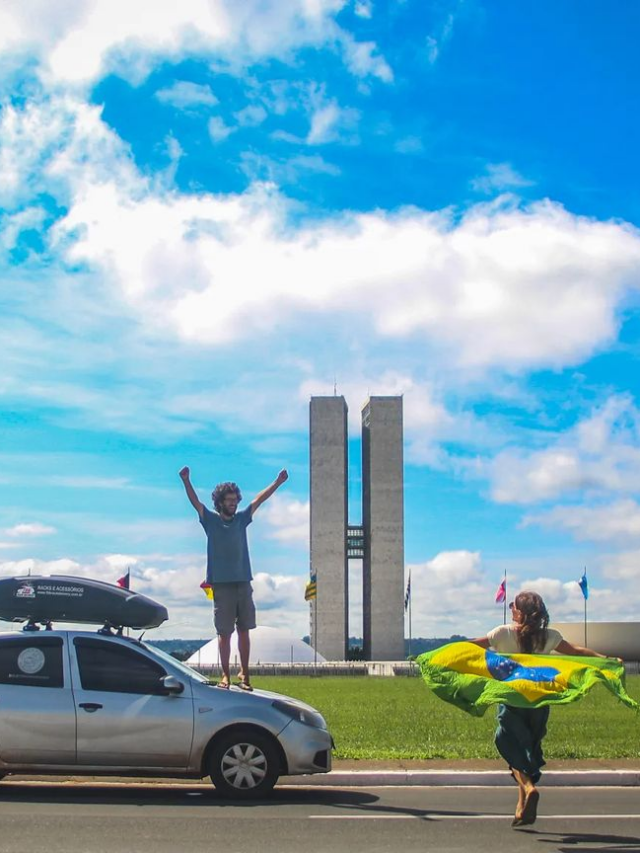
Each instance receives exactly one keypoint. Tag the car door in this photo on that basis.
(37, 710)
(125, 718)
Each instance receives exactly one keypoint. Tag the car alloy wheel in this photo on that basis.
(244, 764)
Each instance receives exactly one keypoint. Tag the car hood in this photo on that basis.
(255, 694)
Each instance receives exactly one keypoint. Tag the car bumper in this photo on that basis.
(308, 750)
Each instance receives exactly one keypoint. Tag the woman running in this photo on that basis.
(521, 730)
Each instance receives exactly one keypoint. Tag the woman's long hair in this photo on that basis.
(532, 631)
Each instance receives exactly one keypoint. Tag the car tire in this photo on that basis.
(244, 764)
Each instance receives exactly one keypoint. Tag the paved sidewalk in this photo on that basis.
(368, 774)
(596, 772)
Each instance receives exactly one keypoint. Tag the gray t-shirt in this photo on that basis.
(504, 639)
(227, 547)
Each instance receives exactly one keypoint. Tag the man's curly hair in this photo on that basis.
(221, 491)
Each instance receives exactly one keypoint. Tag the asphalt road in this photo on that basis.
(92, 818)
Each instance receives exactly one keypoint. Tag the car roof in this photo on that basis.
(69, 634)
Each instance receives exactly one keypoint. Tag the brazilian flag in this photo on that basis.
(474, 678)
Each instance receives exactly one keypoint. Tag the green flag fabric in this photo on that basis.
(473, 678)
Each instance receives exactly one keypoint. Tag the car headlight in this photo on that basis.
(301, 715)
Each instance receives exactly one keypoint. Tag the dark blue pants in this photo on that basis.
(519, 738)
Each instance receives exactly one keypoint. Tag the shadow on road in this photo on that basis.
(176, 795)
(570, 842)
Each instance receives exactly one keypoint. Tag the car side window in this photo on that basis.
(116, 669)
(32, 661)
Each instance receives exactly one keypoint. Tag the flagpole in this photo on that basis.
(504, 603)
(410, 626)
(314, 606)
(585, 621)
(585, 593)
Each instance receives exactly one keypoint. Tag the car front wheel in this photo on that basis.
(244, 765)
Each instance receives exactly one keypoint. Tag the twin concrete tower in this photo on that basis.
(378, 541)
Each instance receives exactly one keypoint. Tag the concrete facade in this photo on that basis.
(328, 493)
(383, 520)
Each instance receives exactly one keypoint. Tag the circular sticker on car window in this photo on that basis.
(30, 661)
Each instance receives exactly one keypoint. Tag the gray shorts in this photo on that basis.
(233, 607)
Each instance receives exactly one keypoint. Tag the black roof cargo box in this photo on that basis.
(61, 598)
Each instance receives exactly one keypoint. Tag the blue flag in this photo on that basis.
(583, 583)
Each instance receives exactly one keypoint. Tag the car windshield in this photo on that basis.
(190, 673)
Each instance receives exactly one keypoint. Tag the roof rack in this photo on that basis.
(38, 601)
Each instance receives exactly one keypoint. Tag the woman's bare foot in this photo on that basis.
(527, 809)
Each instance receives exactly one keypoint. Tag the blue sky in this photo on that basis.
(210, 211)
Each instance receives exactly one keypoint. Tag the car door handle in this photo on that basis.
(90, 707)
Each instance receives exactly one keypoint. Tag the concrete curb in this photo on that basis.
(488, 778)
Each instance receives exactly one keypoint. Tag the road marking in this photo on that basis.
(437, 817)
(362, 816)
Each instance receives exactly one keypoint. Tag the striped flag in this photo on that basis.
(125, 580)
(311, 589)
(407, 595)
(501, 592)
(207, 589)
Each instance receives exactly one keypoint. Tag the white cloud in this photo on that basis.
(450, 593)
(251, 115)
(499, 177)
(185, 95)
(506, 285)
(287, 520)
(615, 522)
(425, 417)
(175, 582)
(33, 529)
(598, 455)
(218, 130)
(330, 123)
(363, 59)
(83, 41)
(624, 566)
(514, 287)
(436, 41)
(53, 145)
(363, 8)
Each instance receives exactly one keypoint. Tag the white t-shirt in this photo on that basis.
(504, 638)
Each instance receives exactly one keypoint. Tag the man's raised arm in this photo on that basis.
(195, 501)
(265, 494)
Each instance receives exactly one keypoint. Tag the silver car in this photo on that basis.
(77, 702)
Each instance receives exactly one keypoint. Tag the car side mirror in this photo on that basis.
(171, 685)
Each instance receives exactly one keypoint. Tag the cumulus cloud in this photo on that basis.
(614, 522)
(83, 41)
(507, 285)
(175, 582)
(287, 520)
(599, 454)
(515, 287)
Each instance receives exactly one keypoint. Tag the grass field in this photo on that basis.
(386, 718)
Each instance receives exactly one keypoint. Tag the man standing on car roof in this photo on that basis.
(229, 567)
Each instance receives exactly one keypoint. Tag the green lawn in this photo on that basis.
(399, 717)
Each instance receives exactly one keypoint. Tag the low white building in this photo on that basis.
(268, 645)
(615, 639)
